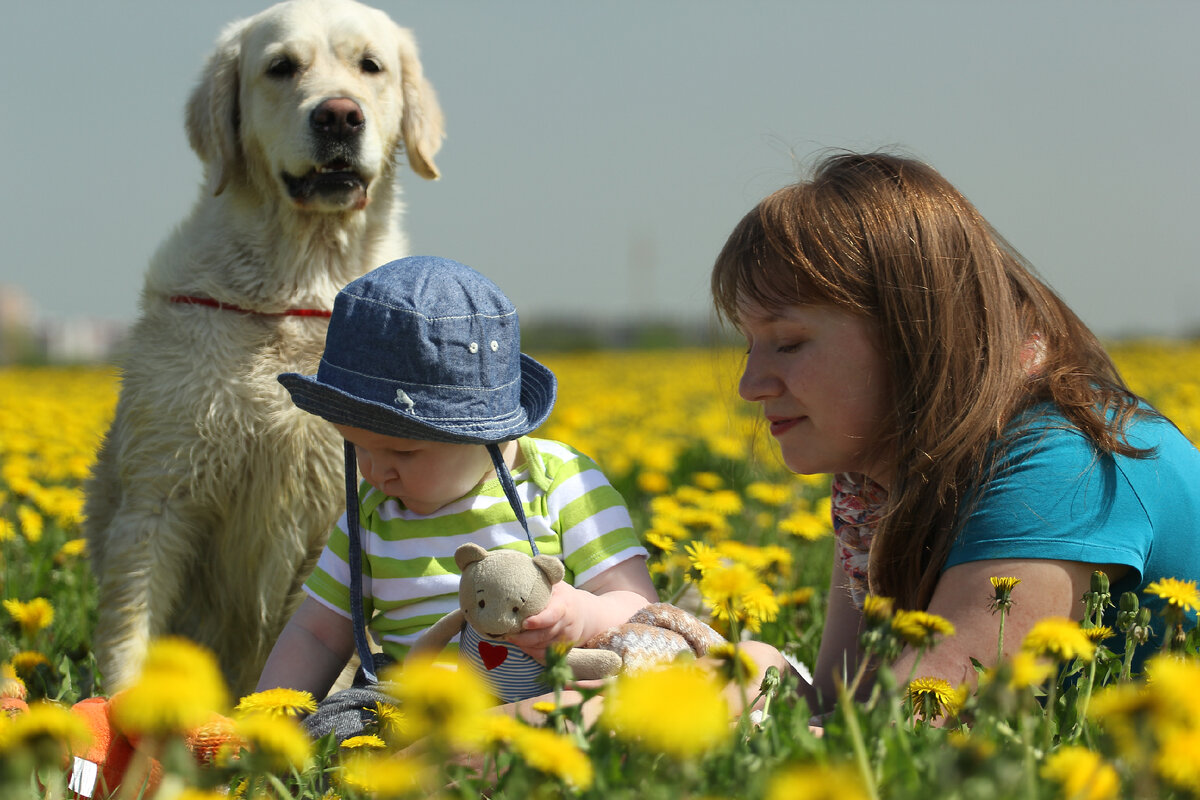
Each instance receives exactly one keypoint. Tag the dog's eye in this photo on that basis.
(282, 67)
(482, 604)
(370, 65)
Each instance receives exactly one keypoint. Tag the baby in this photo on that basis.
(423, 376)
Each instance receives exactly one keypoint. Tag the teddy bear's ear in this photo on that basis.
(551, 567)
(468, 554)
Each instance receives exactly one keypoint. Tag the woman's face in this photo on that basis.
(822, 383)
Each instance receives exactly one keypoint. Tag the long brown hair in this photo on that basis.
(890, 239)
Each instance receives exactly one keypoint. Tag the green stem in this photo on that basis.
(860, 749)
(1000, 638)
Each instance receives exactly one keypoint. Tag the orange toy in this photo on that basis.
(113, 753)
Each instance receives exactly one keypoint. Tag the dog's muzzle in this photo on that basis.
(336, 125)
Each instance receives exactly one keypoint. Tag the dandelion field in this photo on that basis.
(726, 525)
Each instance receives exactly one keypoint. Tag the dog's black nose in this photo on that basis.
(338, 117)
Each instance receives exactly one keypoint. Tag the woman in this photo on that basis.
(974, 425)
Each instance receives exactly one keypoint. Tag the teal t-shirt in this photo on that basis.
(1054, 496)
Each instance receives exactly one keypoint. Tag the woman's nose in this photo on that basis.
(758, 380)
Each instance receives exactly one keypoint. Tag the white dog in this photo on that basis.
(213, 494)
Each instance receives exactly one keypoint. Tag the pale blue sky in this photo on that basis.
(598, 153)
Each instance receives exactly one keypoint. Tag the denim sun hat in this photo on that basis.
(426, 348)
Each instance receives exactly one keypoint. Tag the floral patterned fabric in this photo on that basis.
(857, 502)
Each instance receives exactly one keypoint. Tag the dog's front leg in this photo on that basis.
(146, 553)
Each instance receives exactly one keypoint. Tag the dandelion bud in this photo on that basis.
(1100, 586)
(1129, 602)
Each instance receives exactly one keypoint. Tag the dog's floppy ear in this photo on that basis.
(422, 125)
(212, 111)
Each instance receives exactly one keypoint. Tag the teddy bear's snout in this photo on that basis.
(499, 617)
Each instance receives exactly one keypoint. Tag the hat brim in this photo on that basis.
(538, 390)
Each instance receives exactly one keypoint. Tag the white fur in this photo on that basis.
(213, 494)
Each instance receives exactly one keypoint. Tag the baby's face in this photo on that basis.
(425, 476)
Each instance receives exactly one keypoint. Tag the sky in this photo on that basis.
(598, 153)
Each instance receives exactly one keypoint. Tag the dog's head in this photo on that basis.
(313, 100)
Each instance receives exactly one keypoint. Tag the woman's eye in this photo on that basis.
(790, 348)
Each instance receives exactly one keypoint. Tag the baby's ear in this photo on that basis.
(551, 567)
(468, 554)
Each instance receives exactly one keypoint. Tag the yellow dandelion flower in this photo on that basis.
(8, 531)
(1002, 593)
(1181, 594)
(179, 688)
(769, 494)
(703, 557)
(653, 482)
(656, 539)
(733, 663)
(920, 628)
(708, 480)
(31, 523)
(544, 707)
(439, 701)
(1099, 633)
(32, 616)
(390, 721)
(760, 605)
(47, 723)
(677, 710)
(800, 596)
(555, 754)
(878, 609)
(726, 584)
(368, 741)
(817, 782)
(1082, 774)
(72, 548)
(200, 794)
(280, 741)
(1027, 670)
(384, 774)
(1003, 584)
(1125, 710)
(26, 662)
(1060, 638)
(934, 697)
(1172, 682)
(280, 701)
(724, 501)
(1178, 758)
(500, 729)
(807, 525)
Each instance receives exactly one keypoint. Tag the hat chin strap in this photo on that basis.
(354, 533)
(355, 559)
(510, 491)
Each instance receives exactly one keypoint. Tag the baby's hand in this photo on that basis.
(564, 619)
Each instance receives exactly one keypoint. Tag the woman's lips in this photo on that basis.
(782, 426)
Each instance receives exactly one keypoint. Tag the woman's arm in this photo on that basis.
(1047, 589)
(310, 652)
(838, 656)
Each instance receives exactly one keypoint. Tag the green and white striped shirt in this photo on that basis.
(410, 580)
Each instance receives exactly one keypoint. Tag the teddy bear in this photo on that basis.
(499, 589)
